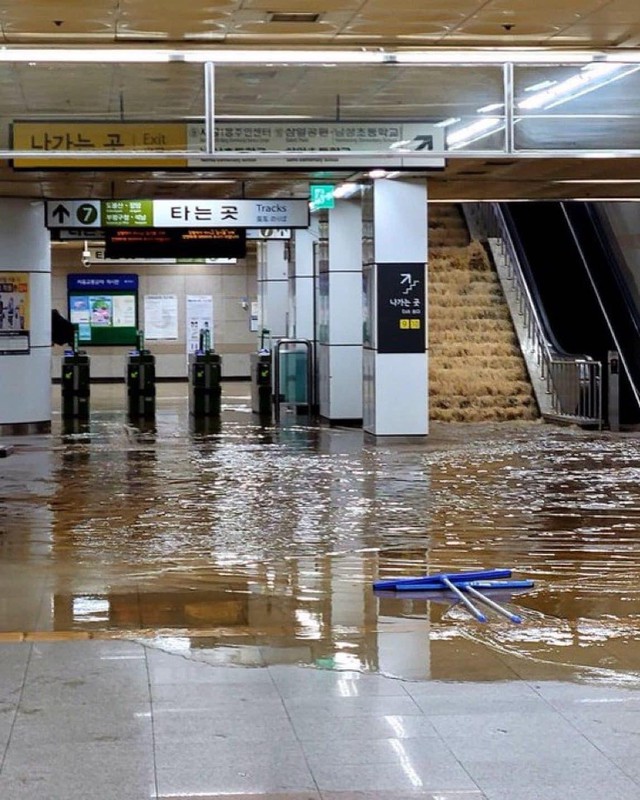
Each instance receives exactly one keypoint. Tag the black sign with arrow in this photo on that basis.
(401, 308)
(60, 212)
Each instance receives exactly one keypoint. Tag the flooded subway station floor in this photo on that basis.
(243, 543)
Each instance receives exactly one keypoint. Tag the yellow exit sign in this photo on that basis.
(85, 137)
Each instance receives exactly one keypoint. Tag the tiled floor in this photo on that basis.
(123, 720)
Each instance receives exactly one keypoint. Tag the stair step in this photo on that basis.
(476, 370)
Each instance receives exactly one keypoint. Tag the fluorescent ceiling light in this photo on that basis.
(345, 190)
(490, 107)
(86, 55)
(497, 56)
(324, 57)
(150, 55)
(593, 76)
(378, 173)
(536, 87)
(500, 56)
(476, 130)
(446, 122)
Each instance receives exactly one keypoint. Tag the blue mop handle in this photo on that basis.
(437, 587)
(455, 577)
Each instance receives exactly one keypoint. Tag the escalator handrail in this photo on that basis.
(530, 289)
(563, 375)
(529, 286)
(613, 254)
(628, 319)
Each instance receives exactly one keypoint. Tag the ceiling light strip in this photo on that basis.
(435, 57)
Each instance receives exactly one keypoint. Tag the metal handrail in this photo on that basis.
(568, 387)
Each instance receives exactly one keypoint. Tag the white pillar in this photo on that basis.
(272, 285)
(340, 307)
(395, 370)
(25, 379)
(301, 282)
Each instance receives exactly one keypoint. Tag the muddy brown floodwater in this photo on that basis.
(250, 544)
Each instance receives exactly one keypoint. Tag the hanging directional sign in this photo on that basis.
(73, 214)
(263, 214)
(320, 143)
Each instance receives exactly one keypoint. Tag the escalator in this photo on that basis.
(572, 266)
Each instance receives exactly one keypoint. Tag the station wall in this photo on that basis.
(232, 287)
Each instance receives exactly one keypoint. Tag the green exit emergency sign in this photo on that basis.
(321, 195)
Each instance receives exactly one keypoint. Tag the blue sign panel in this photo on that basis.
(101, 283)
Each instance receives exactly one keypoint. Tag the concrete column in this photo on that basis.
(25, 262)
(395, 369)
(301, 282)
(340, 314)
(272, 285)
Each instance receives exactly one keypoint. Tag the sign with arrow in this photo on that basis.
(257, 213)
(73, 214)
(401, 308)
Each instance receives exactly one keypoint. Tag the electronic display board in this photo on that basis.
(184, 243)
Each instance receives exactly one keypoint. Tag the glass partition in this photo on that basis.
(122, 111)
(50, 110)
(591, 107)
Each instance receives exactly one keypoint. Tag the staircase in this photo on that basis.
(476, 370)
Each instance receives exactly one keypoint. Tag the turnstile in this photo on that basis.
(204, 384)
(261, 391)
(75, 380)
(141, 384)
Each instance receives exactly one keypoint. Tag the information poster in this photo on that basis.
(160, 316)
(14, 313)
(253, 320)
(199, 317)
(104, 307)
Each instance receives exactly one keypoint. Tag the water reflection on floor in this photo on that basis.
(246, 544)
